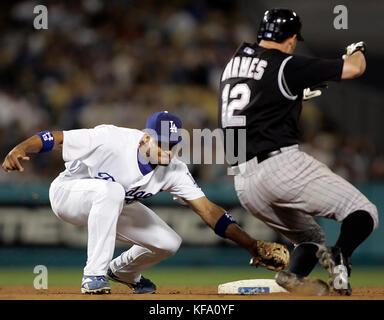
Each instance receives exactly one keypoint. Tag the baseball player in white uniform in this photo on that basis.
(108, 171)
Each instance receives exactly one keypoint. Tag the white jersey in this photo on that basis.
(110, 153)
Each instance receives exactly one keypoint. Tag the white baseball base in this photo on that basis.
(252, 286)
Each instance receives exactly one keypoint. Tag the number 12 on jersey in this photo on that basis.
(240, 95)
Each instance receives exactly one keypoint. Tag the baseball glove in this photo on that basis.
(274, 256)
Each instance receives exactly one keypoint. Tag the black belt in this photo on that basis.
(265, 155)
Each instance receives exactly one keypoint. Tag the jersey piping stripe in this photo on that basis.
(280, 79)
(286, 86)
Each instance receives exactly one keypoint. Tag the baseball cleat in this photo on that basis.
(296, 284)
(95, 285)
(144, 285)
(338, 267)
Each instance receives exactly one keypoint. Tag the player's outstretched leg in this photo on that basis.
(297, 284)
(307, 235)
(355, 228)
(294, 279)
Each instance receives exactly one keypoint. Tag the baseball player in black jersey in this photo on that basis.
(261, 92)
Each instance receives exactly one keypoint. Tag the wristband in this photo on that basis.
(47, 139)
(222, 224)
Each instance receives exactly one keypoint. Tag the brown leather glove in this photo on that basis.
(274, 256)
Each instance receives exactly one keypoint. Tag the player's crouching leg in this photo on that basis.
(107, 203)
(111, 193)
(169, 246)
(127, 267)
(303, 260)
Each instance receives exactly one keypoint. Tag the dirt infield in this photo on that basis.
(171, 293)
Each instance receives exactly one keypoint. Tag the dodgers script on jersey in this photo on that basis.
(110, 153)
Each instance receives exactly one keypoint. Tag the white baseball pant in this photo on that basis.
(99, 204)
(288, 190)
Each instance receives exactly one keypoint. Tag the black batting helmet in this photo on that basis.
(278, 25)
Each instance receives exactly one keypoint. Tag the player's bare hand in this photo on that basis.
(12, 160)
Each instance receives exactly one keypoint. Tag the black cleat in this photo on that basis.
(339, 269)
(144, 285)
(296, 284)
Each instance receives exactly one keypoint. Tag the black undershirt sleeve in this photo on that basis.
(304, 72)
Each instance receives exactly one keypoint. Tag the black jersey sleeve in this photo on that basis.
(303, 72)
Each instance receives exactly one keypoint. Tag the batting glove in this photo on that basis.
(354, 47)
(313, 92)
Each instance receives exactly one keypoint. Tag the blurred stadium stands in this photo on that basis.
(119, 61)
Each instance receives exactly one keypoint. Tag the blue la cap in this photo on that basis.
(165, 126)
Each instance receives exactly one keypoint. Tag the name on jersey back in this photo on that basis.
(244, 67)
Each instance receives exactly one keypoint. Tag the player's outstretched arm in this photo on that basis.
(35, 144)
(271, 255)
(212, 213)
